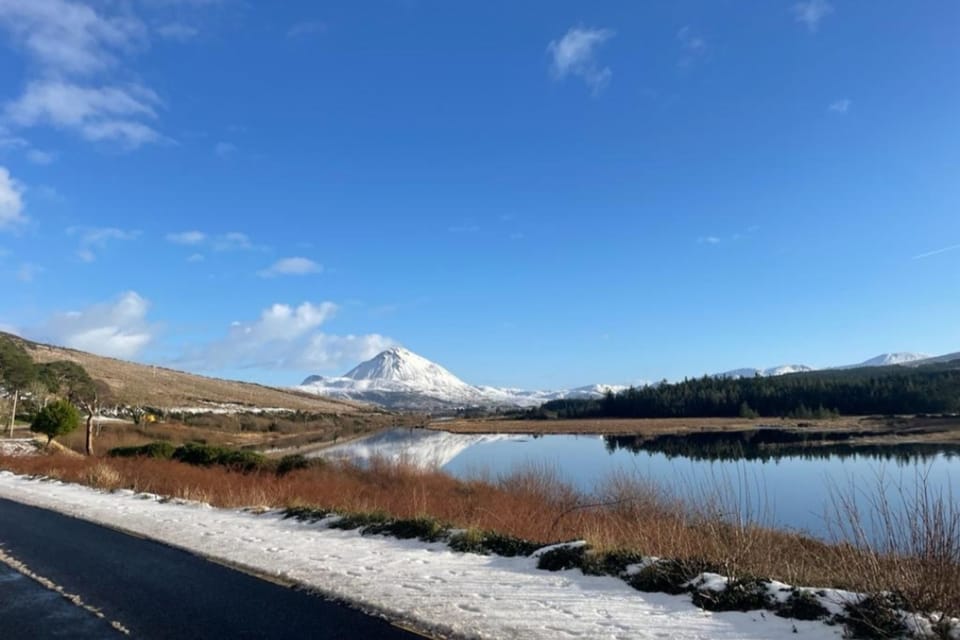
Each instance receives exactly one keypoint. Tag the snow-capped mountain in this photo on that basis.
(887, 359)
(771, 371)
(400, 379)
(882, 360)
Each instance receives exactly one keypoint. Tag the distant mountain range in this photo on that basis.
(882, 360)
(400, 379)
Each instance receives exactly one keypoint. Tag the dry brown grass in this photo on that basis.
(138, 384)
(533, 504)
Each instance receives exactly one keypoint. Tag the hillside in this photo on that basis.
(139, 384)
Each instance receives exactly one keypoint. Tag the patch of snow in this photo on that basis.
(576, 544)
(18, 447)
(426, 585)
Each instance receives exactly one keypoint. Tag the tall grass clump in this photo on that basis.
(901, 538)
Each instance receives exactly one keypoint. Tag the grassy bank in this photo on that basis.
(628, 518)
(868, 429)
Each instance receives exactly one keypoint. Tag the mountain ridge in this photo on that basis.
(398, 378)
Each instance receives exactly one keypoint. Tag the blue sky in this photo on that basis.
(536, 194)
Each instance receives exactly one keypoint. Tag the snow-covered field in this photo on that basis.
(427, 585)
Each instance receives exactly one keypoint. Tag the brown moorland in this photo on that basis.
(159, 387)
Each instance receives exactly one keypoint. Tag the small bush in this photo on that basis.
(562, 558)
(744, 594)
(426, 529)
(670, 576)
(491, 542)
(876, 616)
(159, 450)
(205, 455)
(802, 605)
(103, 476)
(610, 563)
(290, 463)
(307, 514)
(360, 520)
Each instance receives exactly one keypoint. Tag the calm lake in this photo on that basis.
(789, 485)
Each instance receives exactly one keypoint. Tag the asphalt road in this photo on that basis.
(153, 590)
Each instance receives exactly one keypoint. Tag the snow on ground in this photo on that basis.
(427, 585)
(422, 448)
(18, 447)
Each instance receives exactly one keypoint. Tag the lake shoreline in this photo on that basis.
(867, 430)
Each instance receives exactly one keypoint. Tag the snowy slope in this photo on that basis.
(780, 370)
(882, 360)
(427, 586)
(400, 379)
(887, 359)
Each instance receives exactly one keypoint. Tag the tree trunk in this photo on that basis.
(13, 414)
(90, 434)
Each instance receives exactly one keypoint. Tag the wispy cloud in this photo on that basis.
(840, 106)
(811, 12)
(118, 328)
(935, 252)
(187, 237)
(233, 241)
(95, 239)
(224, 149)
(230, 241)
(11, 201)
(692, 44)
(75, 50)
(38, 156)
(575, 55)
(177, 31)
(306, 29)
(296, 266)
(28, 271)
(709, 240)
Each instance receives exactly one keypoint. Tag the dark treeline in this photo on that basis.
(766, 445)
(866, 391)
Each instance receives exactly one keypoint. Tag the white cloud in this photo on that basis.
(306, 28)
(70, 37)
(187, 237)
(840, 106)
(107, 113)
(74, 48)
(11, 201)
(196, 257)
(177, 31)
(118, 329)
(93, 239)
(287, 338)
(292, 267)
(574, 54)
(233, 241)
(812, 12)
(709, 240)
